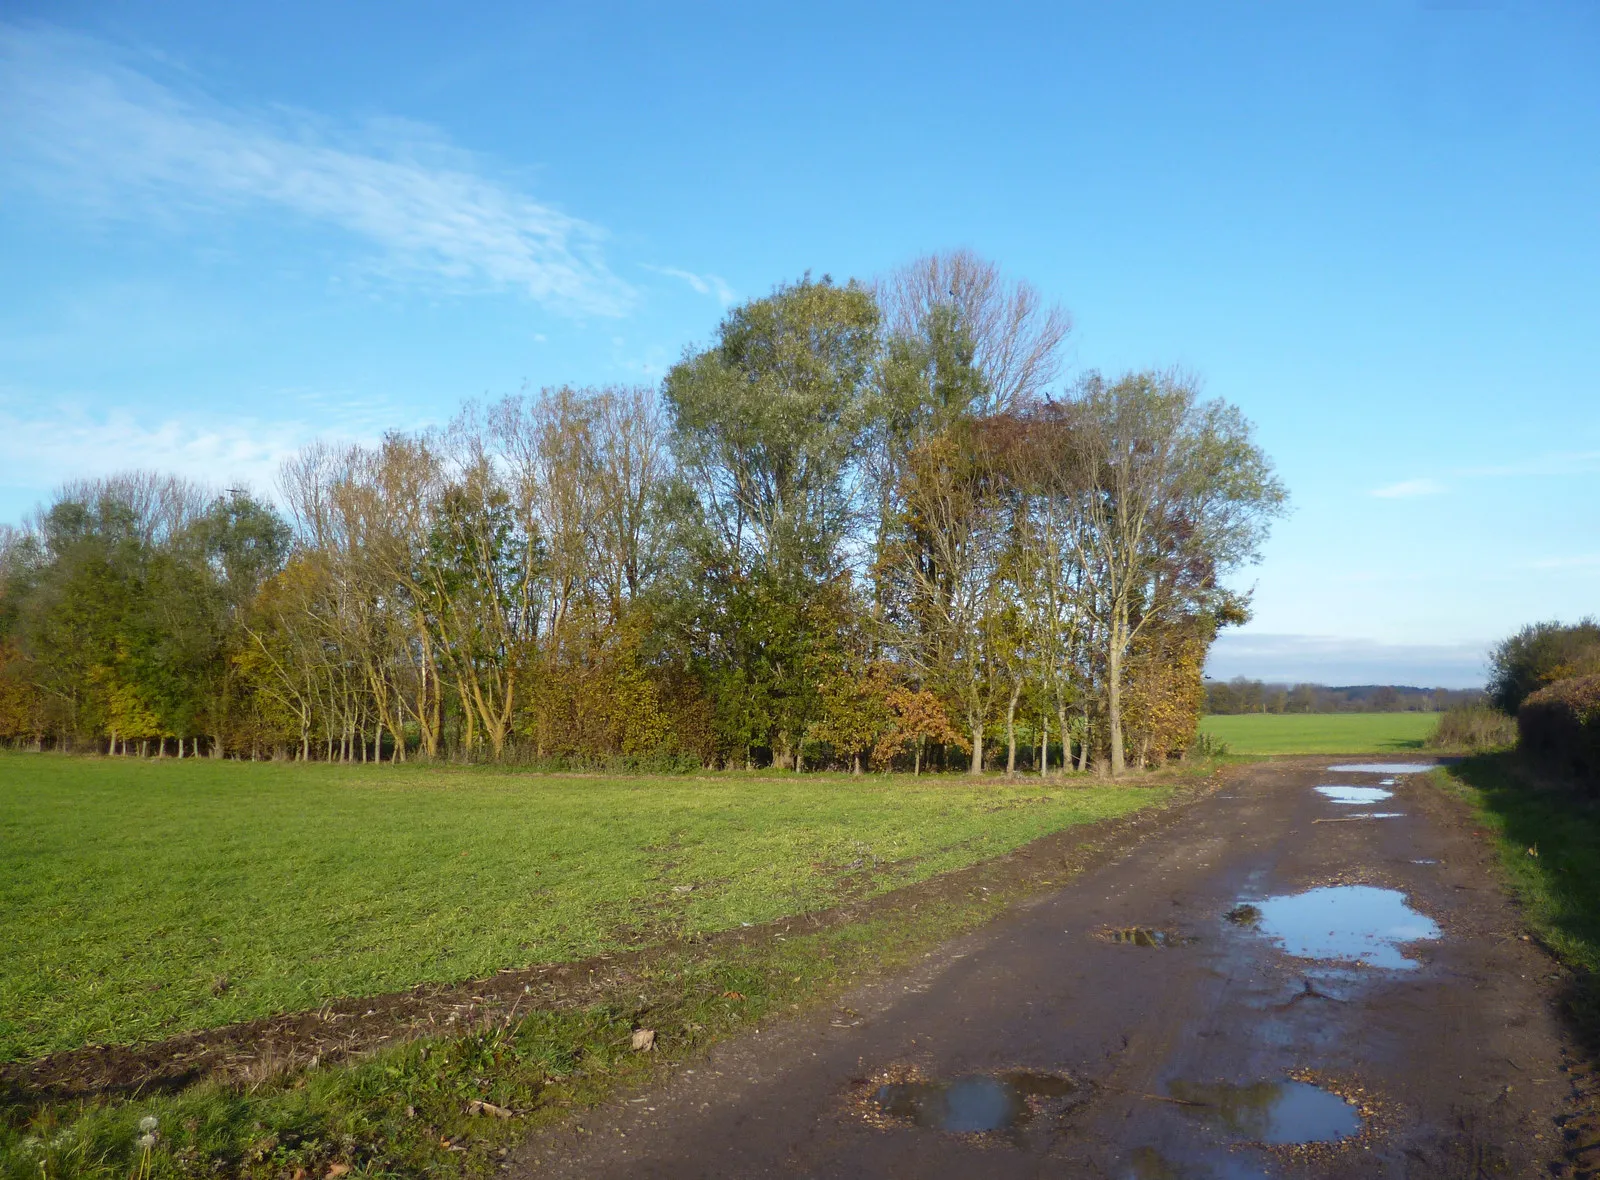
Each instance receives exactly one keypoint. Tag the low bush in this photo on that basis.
(1559, 727)
(1476, 728)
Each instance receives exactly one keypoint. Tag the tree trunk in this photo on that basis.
(1114, 696)
(975, 724)
(855, 763)
(1066, 734)
(1044, 745)
(916, 761)
(1083, 745)
(1011, 729)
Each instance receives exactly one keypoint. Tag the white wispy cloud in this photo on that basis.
(40, 450)
(1409, 487)
(80, 123)
(1575, 561)
(1551, 463)
(707, 284)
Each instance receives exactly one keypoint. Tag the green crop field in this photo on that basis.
(1320, 733)
(143, 898)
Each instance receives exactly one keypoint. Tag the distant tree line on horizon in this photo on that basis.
(1242, 695)
(866, 526)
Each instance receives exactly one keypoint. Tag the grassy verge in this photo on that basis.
(1549, 845)
(1319, 733)
(159, 897)
(407, 1111)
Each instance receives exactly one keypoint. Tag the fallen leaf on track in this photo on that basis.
(478, 1106)
(733, 995)
(337, 1170)
(644, 1040)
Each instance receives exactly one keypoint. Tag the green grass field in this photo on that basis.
(1320, 733)
(139, 899)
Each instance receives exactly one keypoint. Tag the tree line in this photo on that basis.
(1242, 695)
(867, 525)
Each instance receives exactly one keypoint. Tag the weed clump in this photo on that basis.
(1476, 728)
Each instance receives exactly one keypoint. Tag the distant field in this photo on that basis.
(1320, 733)
(138, 899)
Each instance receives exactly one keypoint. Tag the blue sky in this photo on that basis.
(226, 229)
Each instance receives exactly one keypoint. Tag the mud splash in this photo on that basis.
(1346, 923)
(1278, 1114)
(971, 1105)
(1355, 794)
(1147, 1163)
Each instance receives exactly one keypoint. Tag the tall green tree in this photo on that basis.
(769, 429)
(1173, 495)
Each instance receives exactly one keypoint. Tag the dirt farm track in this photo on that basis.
(1291, 982)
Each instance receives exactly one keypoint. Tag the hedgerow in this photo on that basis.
(1560, 726)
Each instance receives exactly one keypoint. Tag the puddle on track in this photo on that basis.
(1382, 767)
(970, 1105)
(1278, 1114)
(1345, 923)
(1355, 794)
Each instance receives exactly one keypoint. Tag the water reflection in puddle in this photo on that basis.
(1145, 936)
(1355, 794)
(1346, 923)
(1382, 768)
(1278, 1114)
(970, 1105)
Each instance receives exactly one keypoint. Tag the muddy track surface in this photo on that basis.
(1198, 1007)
